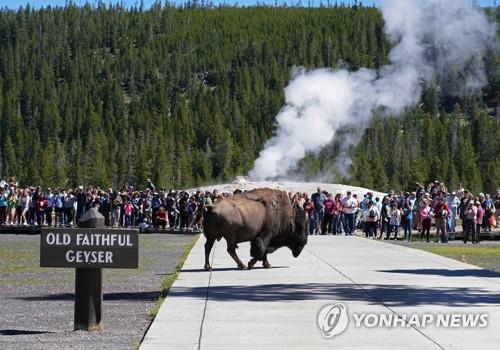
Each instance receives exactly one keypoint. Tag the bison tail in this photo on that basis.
(257, 248)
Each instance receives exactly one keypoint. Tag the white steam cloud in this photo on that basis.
(431, 38)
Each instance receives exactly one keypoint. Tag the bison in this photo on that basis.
(264, 217)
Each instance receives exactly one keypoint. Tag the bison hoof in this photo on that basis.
(267, 265)
(208, 268)
(242, 267)
(250, 264)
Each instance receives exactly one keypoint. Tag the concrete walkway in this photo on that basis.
(278, 308)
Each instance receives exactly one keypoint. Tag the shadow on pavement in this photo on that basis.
(215, 269)
(448, 273)
(390, 295)
(107, 296)
(20, 332)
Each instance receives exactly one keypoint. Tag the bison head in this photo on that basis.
(299, 239)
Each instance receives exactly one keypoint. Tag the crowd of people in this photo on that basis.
(337, 214)
(126, 207)
(403, 212)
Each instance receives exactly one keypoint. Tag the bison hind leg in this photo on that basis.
(257, 248)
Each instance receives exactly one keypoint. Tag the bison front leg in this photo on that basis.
(231, 249)
(252, 262)
(208, 248)
(265, 262)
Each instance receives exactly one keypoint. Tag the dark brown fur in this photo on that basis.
(264, 217)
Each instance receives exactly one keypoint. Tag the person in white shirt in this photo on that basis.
(350, 206)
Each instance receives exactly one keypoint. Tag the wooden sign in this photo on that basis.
(89, 248)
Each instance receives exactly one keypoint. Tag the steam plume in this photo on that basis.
(430, 37)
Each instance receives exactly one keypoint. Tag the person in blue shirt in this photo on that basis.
(408, 222)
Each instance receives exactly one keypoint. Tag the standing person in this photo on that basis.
(453, 203)
(24, 202)
(59, 207)
(470, 215)
(117, 209)
(385, 216)
(309, 208)
(394, 222)
(370, 217)
(441, 213)
(350, 206)
(338, 219)
(183, 211)
(426, 220)
(489, 211)
(105, 208)
(69, 208)
(192, 208)
(330, 209)
(128, 209)
(318, 199)
(496, 203)
(4, 198)
(479, 221)
(81, 202)
(41, 205)
(408, 223)
(12, 203)
(49, 199)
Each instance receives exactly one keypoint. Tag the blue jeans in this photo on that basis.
(319, 215)
(337, 224)
(312, 224)
(349, 223)
(408, 227)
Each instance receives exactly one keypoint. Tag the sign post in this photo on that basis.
(89, 248)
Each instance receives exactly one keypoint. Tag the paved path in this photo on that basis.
(277, 308)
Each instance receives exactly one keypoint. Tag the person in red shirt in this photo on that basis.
(309, 208)
(441, 213)
(161, 218)
(330, 209)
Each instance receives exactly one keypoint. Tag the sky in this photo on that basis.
(14, 4)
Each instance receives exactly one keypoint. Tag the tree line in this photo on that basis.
(187, 95)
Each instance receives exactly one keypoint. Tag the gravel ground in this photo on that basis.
(37, 304)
